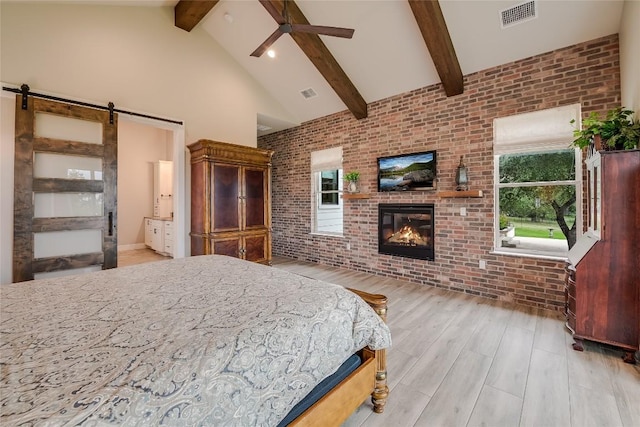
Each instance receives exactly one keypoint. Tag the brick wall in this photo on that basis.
(425, 119)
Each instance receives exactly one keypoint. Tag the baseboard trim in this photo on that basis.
(122, 248)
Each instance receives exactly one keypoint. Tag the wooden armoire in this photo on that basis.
(602, 292)
(230, 200)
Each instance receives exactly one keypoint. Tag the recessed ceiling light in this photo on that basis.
(228, 17)
(271, 53)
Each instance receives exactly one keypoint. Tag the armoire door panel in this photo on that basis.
(225, 202)
(230, 247)
(255, 248)
(255, 197)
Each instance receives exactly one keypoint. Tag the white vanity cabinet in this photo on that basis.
(159, 235)
(167, 235)
(148, 232)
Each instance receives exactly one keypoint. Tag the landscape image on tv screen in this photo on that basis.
(415, 171)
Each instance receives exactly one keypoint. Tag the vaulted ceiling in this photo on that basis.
(398, 45)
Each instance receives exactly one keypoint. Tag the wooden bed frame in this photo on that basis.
(370, 378)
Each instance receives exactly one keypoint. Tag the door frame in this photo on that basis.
(180, 201)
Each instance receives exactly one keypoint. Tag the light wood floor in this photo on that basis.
(459, 360)
(139, 256)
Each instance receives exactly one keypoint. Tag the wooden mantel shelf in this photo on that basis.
(457, 194)
(347, 196)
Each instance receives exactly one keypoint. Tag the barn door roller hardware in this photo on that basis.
(25, 94)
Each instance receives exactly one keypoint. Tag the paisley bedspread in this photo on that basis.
(207, 340)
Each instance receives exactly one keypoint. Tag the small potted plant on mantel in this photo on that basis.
(352, 181)
(617, 131)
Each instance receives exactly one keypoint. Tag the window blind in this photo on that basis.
(328, 159)
(537, 131)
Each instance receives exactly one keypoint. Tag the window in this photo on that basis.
(537, 183)
(329, 187)
(326, 187)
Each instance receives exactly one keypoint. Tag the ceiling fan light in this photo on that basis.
(271, 53)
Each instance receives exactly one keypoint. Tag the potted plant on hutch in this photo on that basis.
(352, 181)
(617, 131)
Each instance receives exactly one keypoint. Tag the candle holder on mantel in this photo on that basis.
(462, 177)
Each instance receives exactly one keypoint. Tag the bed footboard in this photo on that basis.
(381, 391)
(337, 405)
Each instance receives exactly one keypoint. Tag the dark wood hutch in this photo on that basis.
(602, 291)
(230, 200)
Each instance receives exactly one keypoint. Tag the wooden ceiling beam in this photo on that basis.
(325, 63)
(189, 12)
(434, 30)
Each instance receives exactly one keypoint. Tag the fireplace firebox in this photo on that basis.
(406, 230)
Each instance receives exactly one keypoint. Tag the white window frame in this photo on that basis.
(338, 192)
(321, 161)
(538, 132)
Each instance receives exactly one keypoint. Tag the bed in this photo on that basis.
(206, 340)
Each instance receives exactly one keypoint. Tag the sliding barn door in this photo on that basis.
(65, 189)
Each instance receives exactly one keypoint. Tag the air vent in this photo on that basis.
(308, 93)
(263, 128)
(517, 14)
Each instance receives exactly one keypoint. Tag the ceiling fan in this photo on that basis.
(286, 27)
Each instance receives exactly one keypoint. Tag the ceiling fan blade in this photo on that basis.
(267, 43)
(275, 14)
(346, 33)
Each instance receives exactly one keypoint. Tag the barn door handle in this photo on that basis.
(110, 224)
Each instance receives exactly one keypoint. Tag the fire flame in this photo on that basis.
(408, 235)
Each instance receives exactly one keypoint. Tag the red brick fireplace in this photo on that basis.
(406, 230)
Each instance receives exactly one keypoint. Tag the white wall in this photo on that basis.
(138, 147)
(630, 56)
(134, 57)
(137, 58)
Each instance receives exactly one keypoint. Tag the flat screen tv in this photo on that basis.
(406, 172)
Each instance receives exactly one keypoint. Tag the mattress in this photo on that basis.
(208, 340)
